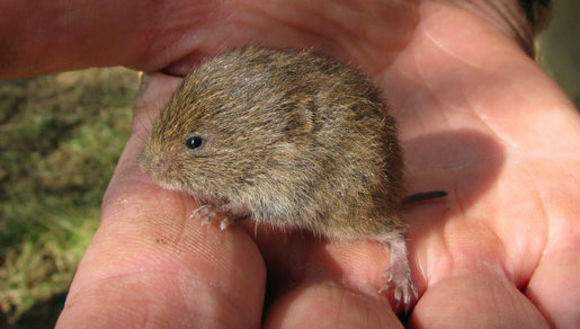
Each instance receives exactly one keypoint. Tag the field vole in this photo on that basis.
(289, 138)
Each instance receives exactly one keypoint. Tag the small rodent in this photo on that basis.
(289, 138)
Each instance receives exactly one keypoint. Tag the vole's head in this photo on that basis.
(232, 119)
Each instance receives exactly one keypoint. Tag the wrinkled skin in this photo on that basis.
(477, 117)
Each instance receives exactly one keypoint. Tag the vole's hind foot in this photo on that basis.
(398, 277)
(399, 281)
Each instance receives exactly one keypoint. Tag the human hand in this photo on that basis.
(477, 118)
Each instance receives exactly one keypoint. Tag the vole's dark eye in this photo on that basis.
(193, 142)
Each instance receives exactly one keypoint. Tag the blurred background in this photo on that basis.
(60, 137)
(559, 48)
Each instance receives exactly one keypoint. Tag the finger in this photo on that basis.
(150, 266)
(174, 35)
(483, 299)
(71, 35)
(314, 283)
(555, 287)
(327, 305)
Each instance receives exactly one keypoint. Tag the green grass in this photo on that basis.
(60, 138)
(560, 50)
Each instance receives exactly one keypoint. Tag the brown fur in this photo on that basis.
(292, 138)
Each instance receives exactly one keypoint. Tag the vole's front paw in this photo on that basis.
(209, 214)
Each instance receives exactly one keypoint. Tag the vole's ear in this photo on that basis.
(301, 118)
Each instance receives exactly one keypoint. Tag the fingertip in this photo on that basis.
(149, 261)
(328, 305)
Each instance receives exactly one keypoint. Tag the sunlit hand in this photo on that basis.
(478, 118)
